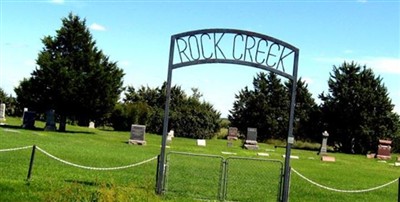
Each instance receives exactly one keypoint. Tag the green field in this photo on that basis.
(189, 177)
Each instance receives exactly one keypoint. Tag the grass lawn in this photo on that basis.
(189, 178)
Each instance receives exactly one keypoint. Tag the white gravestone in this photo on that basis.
(201, 142)
(137, 134)
(2, 112)
(91, 124)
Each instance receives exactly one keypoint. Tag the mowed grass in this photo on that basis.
(189, 178)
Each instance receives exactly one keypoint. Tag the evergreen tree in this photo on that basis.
(189, 117)
(307, 125)
(265, 108)
(357, 110)
(72, 76)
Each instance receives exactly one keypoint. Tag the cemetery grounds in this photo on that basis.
(99, 152)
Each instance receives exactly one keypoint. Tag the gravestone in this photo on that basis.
(29, 120)
(323, 150)
(201, 142)
(50, 121)
(91, 124)
(137, 134)
(384, 149)
(232, 133)
(25, 110)
(251, 139)
(328, 158)
(2, 112)
(171, 133)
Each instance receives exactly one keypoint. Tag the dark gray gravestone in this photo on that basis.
(232, 133)
(29, 120)
(323, 150)
(251, 139)
(50, 121)
(137, 134)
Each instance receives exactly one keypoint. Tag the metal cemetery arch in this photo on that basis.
(244, 48)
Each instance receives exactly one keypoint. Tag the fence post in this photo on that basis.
(31, 163)
(157, 169)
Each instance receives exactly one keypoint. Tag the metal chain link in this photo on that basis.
(94, 168)
(341, 190)
(15, 149)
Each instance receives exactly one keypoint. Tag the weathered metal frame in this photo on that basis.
(172, 66)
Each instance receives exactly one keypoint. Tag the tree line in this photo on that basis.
(78, 81)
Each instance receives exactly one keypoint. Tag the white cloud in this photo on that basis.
(308, 80)
(57, 1)
(383, 64)
(97, 27)
(378, 64)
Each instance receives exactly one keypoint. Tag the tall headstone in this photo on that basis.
(323, 150)
(2, 112)
(25, 110)
(137, 134)
(50, 121)
(29, 120)
(251, 139)
(232, 133)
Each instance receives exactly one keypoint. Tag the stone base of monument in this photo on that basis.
(251, 146)
(371, 156)
(328, 158)
(50, 128)
(137, 142)
(384, 157)
(232, 138)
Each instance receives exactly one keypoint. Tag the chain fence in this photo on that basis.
(193, 175)
(252, 179)
(77, 165)
(210, 177)
(342, 190)
(15, 149)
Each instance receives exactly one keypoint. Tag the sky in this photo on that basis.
(136, 34)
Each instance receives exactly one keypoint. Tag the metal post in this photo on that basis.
(31, 163)
(161, 162)
(290, 139)
(398, 192)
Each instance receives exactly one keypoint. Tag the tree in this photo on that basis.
(189, 117)
(307, 113)
(11, 104)
(357, 110)
(265, 108)
(72, 76)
